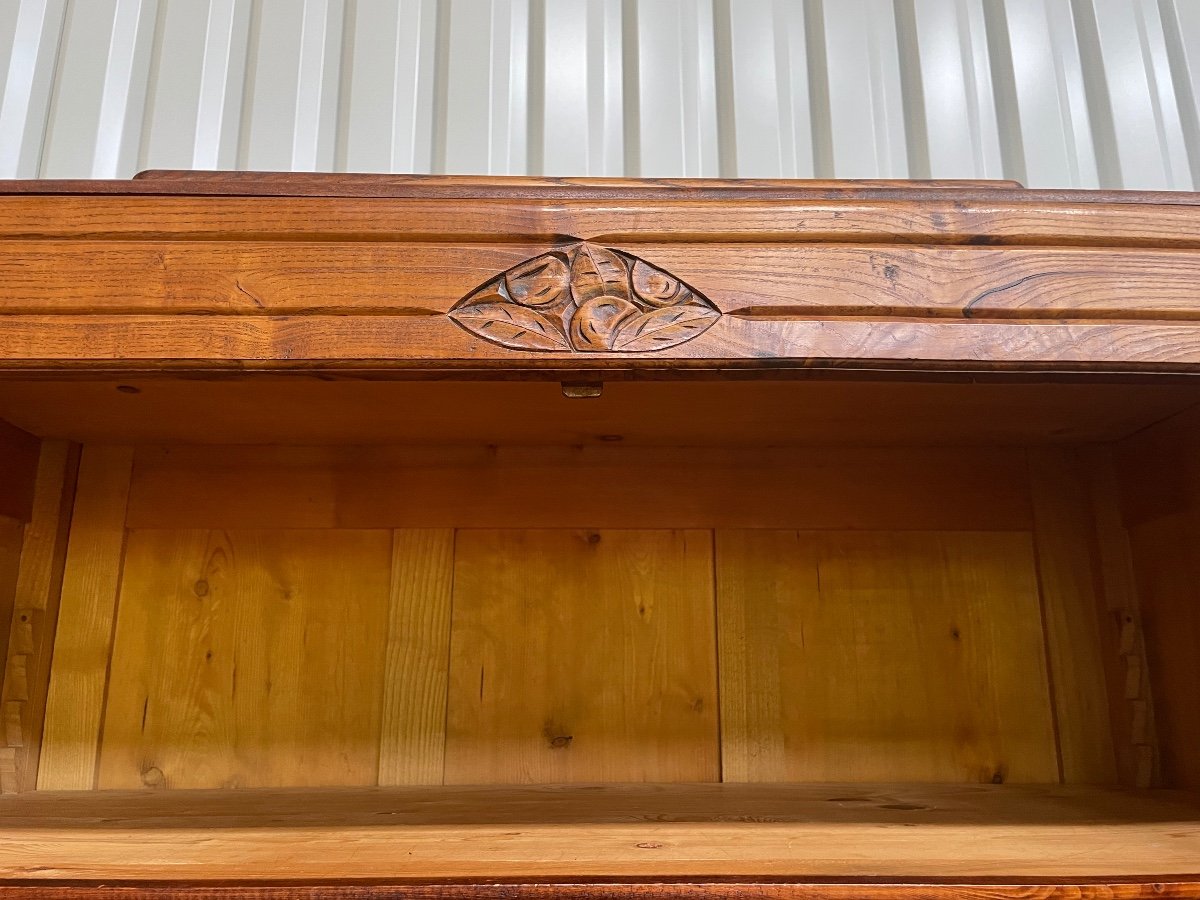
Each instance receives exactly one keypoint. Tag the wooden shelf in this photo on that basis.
(1016, 832)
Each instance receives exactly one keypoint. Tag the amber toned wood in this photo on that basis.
(416, 664)
(12, 535)
(582, 655)
(1068, 577)
(303, 410)
(493, 487)
(844, 656)
(248, 659)
(1159, 484)
(35, 614)
(1077, 280)
(586, 889)
(83, 639)
(891, 831)
(18, 468)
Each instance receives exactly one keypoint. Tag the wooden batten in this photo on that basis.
(37, 592)
(83, 639)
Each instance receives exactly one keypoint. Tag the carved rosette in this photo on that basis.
(588, 299)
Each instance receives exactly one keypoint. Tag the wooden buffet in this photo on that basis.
(515, 538)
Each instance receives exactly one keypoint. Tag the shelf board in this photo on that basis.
(1016, 832)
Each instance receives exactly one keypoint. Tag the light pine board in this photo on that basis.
(856, 831)
(248, 659)
(1064, 532)
(580, 655)
(83, 641)
(35, 614)
(859, 657)
(415, 674)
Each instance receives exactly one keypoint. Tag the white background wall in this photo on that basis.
(1054, 93)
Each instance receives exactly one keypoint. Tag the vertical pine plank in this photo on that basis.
(878, 656)
(248, 659)
(1123, 645)
(1063, 529)
(582, 656)
(413, 730)
(35, 613)
(82, 645)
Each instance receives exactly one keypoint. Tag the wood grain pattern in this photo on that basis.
(35, 614)
(282, 409)
(652, 831)
(844, 656)
(87, 611)
(1122, 641)
(582, 656)
(1064, 535)
(248, 659)
(746, 280)
(1159, 486)
(492, 487)
(143, 343)
(416, 664)
(1085, 218)
(628, 889)
(799, 276)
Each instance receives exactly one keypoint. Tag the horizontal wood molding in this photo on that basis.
(587, 889)
(301, 273)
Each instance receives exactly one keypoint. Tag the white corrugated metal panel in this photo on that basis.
(1054, 93)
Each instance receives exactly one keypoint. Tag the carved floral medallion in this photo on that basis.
(585, 298)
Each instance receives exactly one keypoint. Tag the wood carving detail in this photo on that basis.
(586, 298)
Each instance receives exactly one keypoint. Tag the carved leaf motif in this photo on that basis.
(587, 299)
(512, 326)
(663, 327)
(540, 281)
(598, 272)
(655, 286)
(597, 321)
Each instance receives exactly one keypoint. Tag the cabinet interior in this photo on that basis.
(280, 626)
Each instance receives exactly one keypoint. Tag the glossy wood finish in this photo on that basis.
(789, 276)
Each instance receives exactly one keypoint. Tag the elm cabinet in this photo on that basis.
(418, 537)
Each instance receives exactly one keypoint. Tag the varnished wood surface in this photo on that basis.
(199, 272)
(83, 639)
(848, 656)
(37, 593)
(1160, 493)
(515, 486)
(815, 831)
(269, 409)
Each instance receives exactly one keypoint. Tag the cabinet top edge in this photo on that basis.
(507, 187)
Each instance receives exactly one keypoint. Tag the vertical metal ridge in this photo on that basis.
(630, 81)
(723, 70)
(341, 144)
(912, 90)
(818, 89)
(1185, 71)
(25, 93)
(1004, 87)
(1095, 83)
(441, 84)
(536, 115)
(253, 41)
